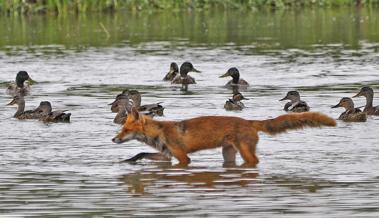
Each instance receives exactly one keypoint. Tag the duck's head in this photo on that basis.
(174, 67)
(346, 103)
(121, 99)
(187, 67)
(232, 72)
(21, 77)
(44, 107)
(365, 91)
(18, 99)
(293, 96)
(135, 97)
(238, 97)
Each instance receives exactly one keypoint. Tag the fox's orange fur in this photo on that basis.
(233, 134)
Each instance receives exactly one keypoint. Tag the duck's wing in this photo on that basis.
(190, 80)
(59, 116)
(287, 106)
(243, 82)
(177, 79)
(152, 109)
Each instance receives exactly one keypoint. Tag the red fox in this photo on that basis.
(233, 134)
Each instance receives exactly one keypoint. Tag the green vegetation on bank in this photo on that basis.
(81, 6)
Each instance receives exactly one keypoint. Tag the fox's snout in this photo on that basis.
(116, 140)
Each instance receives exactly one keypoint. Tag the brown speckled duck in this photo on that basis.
(351, 114)
(296, 104)
(183, 77)
(50, 116)
(174, 70)
(21, 114)
(235, 103)
(369, 94)
(132, 98)
(22, 85)
(236, 80)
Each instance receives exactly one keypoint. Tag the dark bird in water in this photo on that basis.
(235, 103)
(183, 77)
(21, 85)
(174, 70)
(50, 116)
(351, 114)
(236, 80)
(295, 104)
(21, 113)
(368, 93)
(132, 98)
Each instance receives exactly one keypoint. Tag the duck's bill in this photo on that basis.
(12, 102)
(112, 102)
(196, 70)
(285, 98)
(336, 106)
(357, 95)
(225, 75)
(31, 81)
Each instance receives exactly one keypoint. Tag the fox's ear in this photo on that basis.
(135, 113)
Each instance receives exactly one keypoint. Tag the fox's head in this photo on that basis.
(133, 127)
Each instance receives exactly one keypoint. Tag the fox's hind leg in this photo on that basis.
(247, 149)
(229, 154)
(149, 156)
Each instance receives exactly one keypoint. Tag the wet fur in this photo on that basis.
(233, 134)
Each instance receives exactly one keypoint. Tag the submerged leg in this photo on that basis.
(229, 154)
(149, 156)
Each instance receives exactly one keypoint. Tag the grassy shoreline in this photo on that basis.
(83, 6)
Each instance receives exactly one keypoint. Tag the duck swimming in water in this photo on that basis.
(21, 87)
(295, 104)
(369, 94)
(351, 114)
(21, 114)
(50, 116)
(235, 103)
(174, 70)
(236, 80)
(132, 98)
(183, 78)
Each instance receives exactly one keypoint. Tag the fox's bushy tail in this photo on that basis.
(293, 121)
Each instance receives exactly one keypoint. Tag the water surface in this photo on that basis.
(74, 169)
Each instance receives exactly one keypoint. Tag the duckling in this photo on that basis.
(236, 80)
(148, 109)
(351, 114)
(20, 87)
(235, 103)
(49, 116)
(21, 114)
(369, 94)
(174, 70)
(183, 78)
(295, 102)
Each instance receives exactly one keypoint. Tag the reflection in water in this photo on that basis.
(170, 177)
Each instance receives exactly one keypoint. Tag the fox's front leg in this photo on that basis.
(180, 155)
(149, 156)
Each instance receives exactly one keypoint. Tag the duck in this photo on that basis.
(20, 87)
(47, 115)
(183, 77)
(236, 80)
(174, 70)
(121, 106)
(132, 98)
(148, 109)
(296, 104)
(351, 114)
(235, 103)
(368, 92)
(21, 114)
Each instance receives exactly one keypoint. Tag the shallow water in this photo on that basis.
(74, 170)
